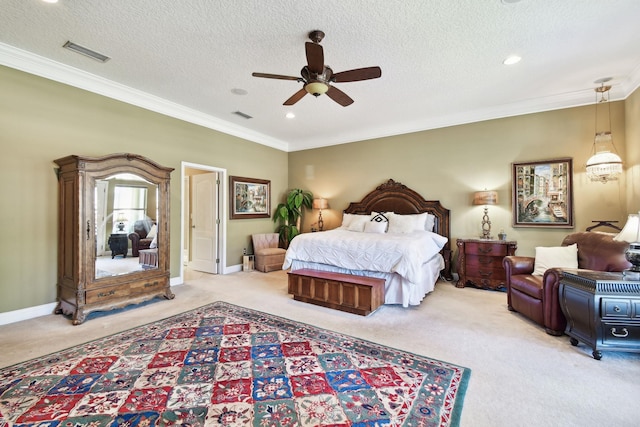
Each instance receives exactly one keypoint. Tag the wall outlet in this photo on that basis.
(244, 251)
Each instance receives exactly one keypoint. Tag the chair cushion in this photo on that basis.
(528, 284)
(270, 251)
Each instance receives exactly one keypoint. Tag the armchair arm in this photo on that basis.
(135, 238)
(554, 320)
(514, 264)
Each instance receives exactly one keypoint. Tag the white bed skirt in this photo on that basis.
(397, 289)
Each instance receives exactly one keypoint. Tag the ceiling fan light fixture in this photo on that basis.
(316, 88)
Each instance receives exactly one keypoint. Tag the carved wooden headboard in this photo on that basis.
(395, 197)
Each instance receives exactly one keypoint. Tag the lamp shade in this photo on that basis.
(485, 198)
(631, 231)
(121, 217)
(320, 204)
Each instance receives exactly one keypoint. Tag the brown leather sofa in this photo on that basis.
(536, 297)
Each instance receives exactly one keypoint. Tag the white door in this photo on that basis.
(204, 223)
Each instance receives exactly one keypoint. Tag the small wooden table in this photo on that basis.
(148, 258)
(354, 294)
(118, 244)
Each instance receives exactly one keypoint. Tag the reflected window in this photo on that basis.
(129, 205)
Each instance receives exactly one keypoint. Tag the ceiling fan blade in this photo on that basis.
(357, 75)
(295, 97)
(339, 96)
(315, 57)
(275, 76)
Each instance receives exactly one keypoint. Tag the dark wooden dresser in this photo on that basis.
(602, 310)
(480, 262)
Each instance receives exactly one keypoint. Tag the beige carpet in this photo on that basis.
(520, 375)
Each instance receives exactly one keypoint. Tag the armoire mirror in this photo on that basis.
(113, 243)
(125, 204)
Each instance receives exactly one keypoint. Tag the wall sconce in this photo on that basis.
(121, 220)
(631, 234)
(604, 164)
(320, 204)
(485, 198)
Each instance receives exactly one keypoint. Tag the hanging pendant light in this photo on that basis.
(604, 164)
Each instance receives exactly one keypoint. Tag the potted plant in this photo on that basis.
(288, 214)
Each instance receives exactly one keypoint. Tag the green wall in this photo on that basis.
(41, 120)
(449, 164)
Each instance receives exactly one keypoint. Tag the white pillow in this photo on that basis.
(381, 217)
(154, 242)
(375, 227)
(152, 233)
(347, 218)
(357, 223)
(555, 257)
(399, 224)
(430, 222)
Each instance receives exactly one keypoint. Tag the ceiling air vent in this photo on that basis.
(86, 52)
(241, 114)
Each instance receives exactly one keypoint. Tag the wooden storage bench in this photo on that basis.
(354, 294)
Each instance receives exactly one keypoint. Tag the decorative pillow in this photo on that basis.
(555, 257)
(382, 218)
(154, 242)
(357, 224)
(375, 227)
(152, 233)
(399, 224)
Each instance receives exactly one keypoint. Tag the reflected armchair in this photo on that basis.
(142, 236)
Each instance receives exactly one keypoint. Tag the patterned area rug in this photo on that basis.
(225, 365)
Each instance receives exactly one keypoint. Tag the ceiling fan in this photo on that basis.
(317, 77)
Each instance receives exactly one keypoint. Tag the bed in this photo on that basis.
(409, 262)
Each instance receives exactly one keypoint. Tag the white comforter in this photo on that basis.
(403, 254)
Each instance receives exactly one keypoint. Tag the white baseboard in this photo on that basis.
(27, 313)
(46, 309)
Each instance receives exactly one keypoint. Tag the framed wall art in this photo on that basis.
(250, 198)
(543, 193)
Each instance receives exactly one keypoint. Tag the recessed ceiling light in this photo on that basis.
(513, 59)
(50, 1)
(290, 115)
(238, 91)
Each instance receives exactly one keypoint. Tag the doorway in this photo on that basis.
(203, 225)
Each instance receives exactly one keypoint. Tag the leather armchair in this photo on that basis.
(139, 238)
(536, 297)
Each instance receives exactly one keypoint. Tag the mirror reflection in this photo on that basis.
(126, 208)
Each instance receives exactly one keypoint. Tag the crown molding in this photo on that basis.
(37, 65)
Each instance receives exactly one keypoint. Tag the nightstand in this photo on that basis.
(118, 244)
(480, 262)
(602, 310)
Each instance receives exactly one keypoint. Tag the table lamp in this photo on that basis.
(631, 234)
(485, 198)
(320, 204)
(120, 220)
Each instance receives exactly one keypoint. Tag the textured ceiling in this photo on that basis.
(441, 60)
